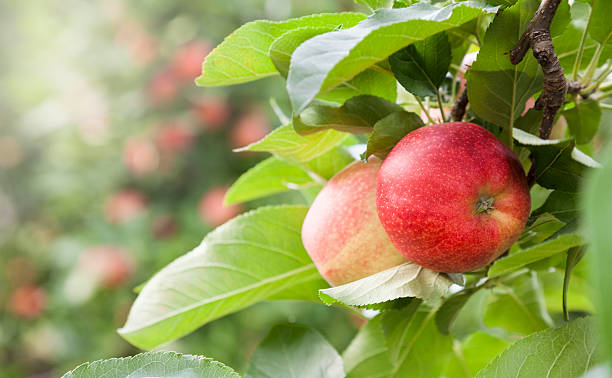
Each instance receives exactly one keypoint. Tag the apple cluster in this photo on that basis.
(449, 197)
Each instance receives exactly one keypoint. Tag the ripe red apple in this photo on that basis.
(213, 211)
(108, 264)
(174, 137)
(187, 61)
(163, 87)
(452, 197)
(28, 301)
(342, 233)
(212, 112)
(124, 206)
(140, 155)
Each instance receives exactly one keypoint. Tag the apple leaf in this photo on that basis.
(329, 59)
(155, 364)
(357, 115)
(597, 215)
(288, 145)
(283, 46)
(561, 205)
(243, 55)
(497, 89)
(523, 257)
(405, 280)
(422, 66)
(255, 256)
(366, 355)
(474, 353)
(390, 130)
(559, 165)
(583, 120)
(292, 350)
(600, 28)
(518, 307)
(376, 4)
(448, 312)
(567, 351)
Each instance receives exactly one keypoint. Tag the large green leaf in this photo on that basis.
(292, 350)
(523, 257)
(559, 165)
(390, 130)
(597, 224)
(583, 120)
(285, 143)
(405, 280)
(497, 89)
(327, 60)
(283, 46)
(253, 257)
(568, 351)
(474, 353)
(422, 66)
(560, 204)
(367, 355)
(243, 56)
(157, 364)
(600, 28)
(375, 4)
(448, 312)
(518, 306)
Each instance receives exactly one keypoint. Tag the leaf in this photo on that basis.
(567, 351)
(415, 347)
(597, 220)
(390, 130)
(376, 4)
(366, 356)
(256, 256)
(519, 307)
(474, 353)
(559, 165)
(405, 280)
(327, 60)
(156, 364)
(600, 28)
(574, 255)
(286, 144)
(583, 120)
(422, 66)
(561, 205)
(283, 46)
(357, 115)
(523, 257)
(448, 312)
(292, 350)
(497, 89)
(243, 55)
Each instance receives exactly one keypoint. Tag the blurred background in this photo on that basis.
(113, 163)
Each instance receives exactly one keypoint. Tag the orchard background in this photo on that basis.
(114, 164)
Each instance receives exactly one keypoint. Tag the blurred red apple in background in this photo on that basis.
(187, 61)
(124, 206)
(211, 209)
(174, 137)
(163, 87)
(212, 112)
(163, 226)
(140, 155)
(452, 197)
(250, 127)
(28, 301)
(111, 265)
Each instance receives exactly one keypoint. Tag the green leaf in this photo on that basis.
(243, 55)
(474, 353)
(422, 66)
(357, 115)
(405, 280)
(518, 307)
(448, 312)
(369, 82)
(583, 120)
(597, 221)
(497, 89)
(283, 46)
(376, 4)
(156, 364)
(574, 255)
(561, 205)
(568, 351)
(327, 60)
(578, 293)
(523, 257)
(390, 130)
(600, 28)
(332, 162)
(559, 165)
(292, 350)
(367, 356)
(415, 347)
(286, 144)
(256, 256)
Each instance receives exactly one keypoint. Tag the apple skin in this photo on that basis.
(342, 233)
(428, 188)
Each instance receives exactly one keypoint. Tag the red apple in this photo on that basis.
(108, 264)
(188, 59)
(250, 128)
(163, 87)
(342, 233)
(452, 197)
(212, 112)
(174, 137)
(213, 211)
(124, 206)
(140, 155)
(28, 301)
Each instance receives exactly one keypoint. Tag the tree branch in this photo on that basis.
(458, 109)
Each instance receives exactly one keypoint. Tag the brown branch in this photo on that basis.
(555, 86)
(458, 109)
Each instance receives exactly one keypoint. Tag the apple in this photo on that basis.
(163, 87)
(212, 112)
(452, 197)
(341, 231)
(108, 264)
(251, 127)
(213, 211)
(174, 137)
(187, 61)
(140, 155)
(124, 205)
(28, 301)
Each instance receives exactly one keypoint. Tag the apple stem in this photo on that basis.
(484, 204)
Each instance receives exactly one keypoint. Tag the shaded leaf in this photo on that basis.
(567, 351)
(327, 60)
(474, 353)
(366, 356)
(156, 364)
(600, 28)
(405, 280)
(390, 130)
(283, 46)
(574, 255)
(292, 350)
(561, 205)
(583, 120)
(256, 256)
(448, 312)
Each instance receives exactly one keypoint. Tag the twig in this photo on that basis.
(555, 86)
(458, 109)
